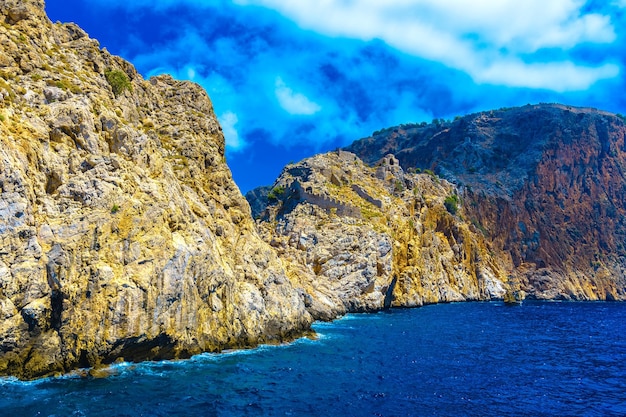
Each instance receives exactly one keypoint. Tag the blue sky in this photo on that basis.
(292, 78)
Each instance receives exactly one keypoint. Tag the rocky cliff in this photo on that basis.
(360, 238)
(122, 234)
(546, 184)
(497, 205)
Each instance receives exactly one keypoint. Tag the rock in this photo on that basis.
(349, 252)
(122, 233)
(543, 183)
(53, 94)
(258, 200)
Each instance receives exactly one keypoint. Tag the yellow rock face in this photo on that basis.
(361, 239)
(122, 233)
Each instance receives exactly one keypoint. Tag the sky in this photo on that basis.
(289, 79)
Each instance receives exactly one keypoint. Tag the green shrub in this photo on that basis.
(275, 193)
(66, 85)
(115, 209)
(398, 186)
(118, 80)
(452, 204)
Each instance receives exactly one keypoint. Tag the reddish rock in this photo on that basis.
(545, 183)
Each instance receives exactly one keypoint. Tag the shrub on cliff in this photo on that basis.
(118, 80)
(452, 204)
(275, 193)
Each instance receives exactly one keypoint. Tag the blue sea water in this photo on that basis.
(467, 359)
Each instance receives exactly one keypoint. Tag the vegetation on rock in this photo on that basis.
(452, 203)
(118, 80)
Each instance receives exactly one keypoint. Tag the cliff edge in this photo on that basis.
(122, 233)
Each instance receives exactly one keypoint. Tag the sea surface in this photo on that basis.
(466, 359)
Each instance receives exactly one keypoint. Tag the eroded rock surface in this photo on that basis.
(360, 238)
(122, 233)
(546, 183)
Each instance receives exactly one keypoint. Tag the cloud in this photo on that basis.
(288, 79)
(228, 121)
(294, 103)
(559, 76)
(478, 37)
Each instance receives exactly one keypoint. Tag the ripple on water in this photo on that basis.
(457, 359)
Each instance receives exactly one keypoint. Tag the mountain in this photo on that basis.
(122, 233)
(363, 238)
(504, 204)
(544, 183)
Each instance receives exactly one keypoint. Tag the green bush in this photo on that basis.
(452, 204)
(398, 186)
(118, 80)
(275, 193)
(66, 85)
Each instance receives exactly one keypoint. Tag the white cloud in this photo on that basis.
(556, 76)
(480, 37)
(294, 103)
(228, 120)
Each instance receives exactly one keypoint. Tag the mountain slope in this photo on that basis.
(359, 238)
(546, 183)
(122, 232)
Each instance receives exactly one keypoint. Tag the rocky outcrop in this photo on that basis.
(545, 183)
(122, 233)
(401, 243)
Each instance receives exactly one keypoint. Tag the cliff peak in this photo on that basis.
(15, 11)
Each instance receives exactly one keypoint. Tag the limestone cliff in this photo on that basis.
(360, 238)
(545, 183)
(122, 233)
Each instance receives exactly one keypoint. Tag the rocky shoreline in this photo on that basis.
(124, 237)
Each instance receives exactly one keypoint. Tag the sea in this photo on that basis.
(463, 359)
